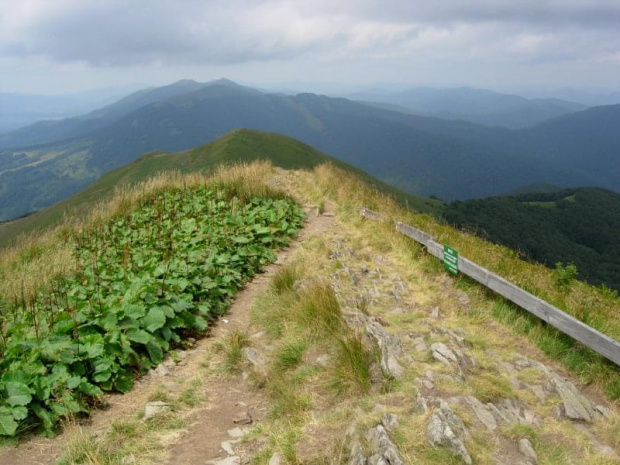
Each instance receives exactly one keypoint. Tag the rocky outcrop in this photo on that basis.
(445, 428)
(382, 450)
(385, 452)
(390, 348)
(574, 404)
(526, 448)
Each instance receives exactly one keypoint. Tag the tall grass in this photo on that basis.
(594, 306)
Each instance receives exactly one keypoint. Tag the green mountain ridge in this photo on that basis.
(238, 146)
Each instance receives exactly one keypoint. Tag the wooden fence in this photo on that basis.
(590, 337)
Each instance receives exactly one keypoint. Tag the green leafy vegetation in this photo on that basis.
(575, 230)
(143, 280)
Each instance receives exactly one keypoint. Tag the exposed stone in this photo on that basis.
(152, 409)
(390, 421)
(257, 359)
(323, 360)
(276, 459)
(512, 411)
(445, 428)
(599, 448)
(236, 433)
(357, 456)
(442, 354)
(159, 371)
(574, 404)
(386, 452)
(233, 460)
(435, 313)
(227, 447)
(526, 448)
(390, 348)
(607, 413)
(539, 391)
(482, 412)
(422, 404)
(242, 418)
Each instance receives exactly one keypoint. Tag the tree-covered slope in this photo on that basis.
(575, 225)
(241, 145)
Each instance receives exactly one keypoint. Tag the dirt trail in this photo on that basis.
(233, 398)
(227, 397)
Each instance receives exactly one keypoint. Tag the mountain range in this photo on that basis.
(480, 106)
(46, 162)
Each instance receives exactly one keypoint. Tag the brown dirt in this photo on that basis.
(201, 442)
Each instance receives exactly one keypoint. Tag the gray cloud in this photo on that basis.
(406, 35)
(121, 33)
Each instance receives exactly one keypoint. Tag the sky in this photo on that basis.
(60, 46)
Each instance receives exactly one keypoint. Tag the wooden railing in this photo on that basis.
(588, 336)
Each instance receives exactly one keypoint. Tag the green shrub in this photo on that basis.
(146, 279)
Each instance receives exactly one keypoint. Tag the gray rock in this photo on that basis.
(445, 428)
(357, 456)
(598, 447)
(152, 409)
(227, 447)
(234, 460)
(526, 448)
(605, 412)
(276, 459)
(386, 451)
(159, 371)
(442, 354)
(482, 412)
(574, 404)
(236, 433)
(257, 359)
(539, 391)
(390, 421)
(435, 313)
(242, 418)
(512, 411)
(390, 348)
(421, 404)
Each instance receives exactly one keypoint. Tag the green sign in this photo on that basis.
(451, 259)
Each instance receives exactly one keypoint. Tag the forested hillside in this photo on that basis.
(581, 226)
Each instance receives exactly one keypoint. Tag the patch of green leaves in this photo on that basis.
(146, 280)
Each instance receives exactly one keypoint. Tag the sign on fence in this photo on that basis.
(588, 336)
(451, 259)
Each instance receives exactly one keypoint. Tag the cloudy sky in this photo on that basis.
(52, 46)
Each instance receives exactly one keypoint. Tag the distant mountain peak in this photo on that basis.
(223, 82)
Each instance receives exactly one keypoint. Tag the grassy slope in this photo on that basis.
(241, 145)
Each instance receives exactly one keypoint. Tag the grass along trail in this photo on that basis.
(354, 347)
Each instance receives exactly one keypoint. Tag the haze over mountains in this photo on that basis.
(475, 105)
(19, 110)
(49, 161)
